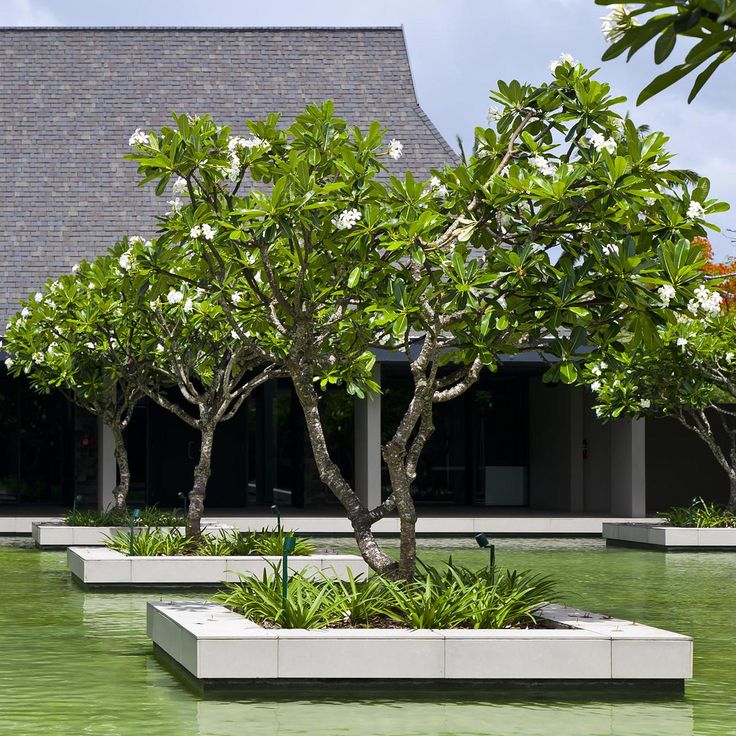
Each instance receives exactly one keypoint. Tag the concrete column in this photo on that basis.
(555, 446)
(107, 468)
(628, 468)
(368, 446)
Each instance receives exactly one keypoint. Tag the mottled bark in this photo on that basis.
(199, 486)
(332, 477)
(120, 492)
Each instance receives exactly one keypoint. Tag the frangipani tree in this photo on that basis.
(689, 375)
(72, 336)
(553, 236)
(187, 343)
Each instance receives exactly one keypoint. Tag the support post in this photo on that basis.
(368, 446)
(628, 468)
(107, 468)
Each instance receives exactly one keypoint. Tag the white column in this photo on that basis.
(368, 446)
(107, 469)
(628, 468)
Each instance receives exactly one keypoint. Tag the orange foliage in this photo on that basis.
(727, 286)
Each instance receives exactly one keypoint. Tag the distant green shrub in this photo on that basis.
(154, 541)
(453, 597)
(700, 514)
(149, 516)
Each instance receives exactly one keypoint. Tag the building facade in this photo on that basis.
(69, 99)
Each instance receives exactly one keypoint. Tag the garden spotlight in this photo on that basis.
(275, 510)
(183, 497)
(133, 518)
(483, 542)
(289, 544)
(75, 501)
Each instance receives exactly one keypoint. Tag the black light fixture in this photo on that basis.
(484, 542)
(275, 510)
(75, 501)
(133, 518)
(184, 501)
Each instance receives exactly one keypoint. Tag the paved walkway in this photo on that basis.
(431, 521)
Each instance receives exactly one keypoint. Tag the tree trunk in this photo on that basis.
(331, 476)
(731, 506)
(199, 487)
(394, 456)
(120, 492)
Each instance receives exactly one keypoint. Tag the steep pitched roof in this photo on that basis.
(70, 97)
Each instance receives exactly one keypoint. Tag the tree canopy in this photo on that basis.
(710, 25)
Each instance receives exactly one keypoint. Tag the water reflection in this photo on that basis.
(431, 718)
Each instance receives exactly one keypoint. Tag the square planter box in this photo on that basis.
(100, 566)
(55, 535)
(661, 536)
(215, 646)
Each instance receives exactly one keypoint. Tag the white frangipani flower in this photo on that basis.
(666, 293)
(564, 59)
(545, 167)
(437, 187)
(695, 210)
(174, 297)
(346, 220)
(75, 268)
(596, 386)
(395, 149)
(38, 297)
(600, 142)
(188, 306)
(126, 261)
(708, 301)
(611, 249)
(681, 342)
(38, 358)
(208, 233)
(9, 363)
(236, 298)
(179, 187)
(139, 138)
(616, 22)
(89, 345)
(494, 114)
(25, 312)
(645, 403)
(176, 205)
(195, 232)
(159, 348)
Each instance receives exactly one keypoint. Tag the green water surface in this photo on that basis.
(75, 662)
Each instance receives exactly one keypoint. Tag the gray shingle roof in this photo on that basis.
(70, 97)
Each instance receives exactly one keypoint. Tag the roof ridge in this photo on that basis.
(228, 29)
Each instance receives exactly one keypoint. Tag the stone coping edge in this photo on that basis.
(664, 537)
(100, 566)
(214, 645)
(49, 535)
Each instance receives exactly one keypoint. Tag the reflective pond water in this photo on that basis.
(75, 662)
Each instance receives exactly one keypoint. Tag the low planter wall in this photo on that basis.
(661, 536)
(59, 536)
(103, 566)
(214, 645)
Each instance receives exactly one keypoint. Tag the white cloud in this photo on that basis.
(26, 13)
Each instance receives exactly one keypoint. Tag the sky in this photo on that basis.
(458, 50)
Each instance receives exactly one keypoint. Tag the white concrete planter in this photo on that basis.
(213, 644)
(103, 566)
(661, 536)
(59, 536)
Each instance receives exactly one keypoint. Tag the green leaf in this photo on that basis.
(704, 76)
(354, 277)
(568, 372)
(663, 81)
(665, 44)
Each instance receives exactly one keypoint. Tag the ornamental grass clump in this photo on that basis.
(149, 516)
(450, 598)
(700, 514)
(154, 542)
